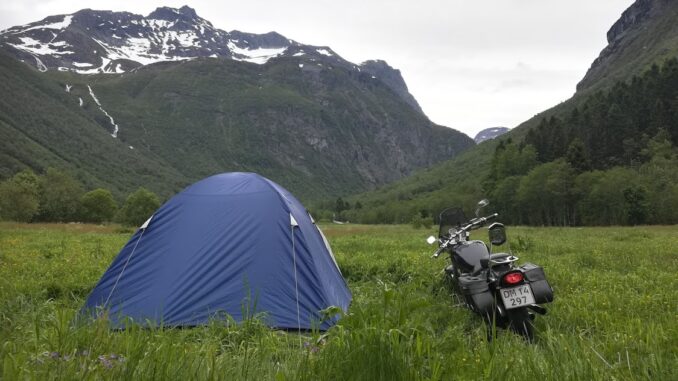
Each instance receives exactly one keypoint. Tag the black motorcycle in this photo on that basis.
(491, 285)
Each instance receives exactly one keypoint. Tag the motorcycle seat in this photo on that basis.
(499, 256)
(485, 262)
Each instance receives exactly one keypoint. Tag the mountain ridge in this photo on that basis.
(93, 41)
(644, 34)
(305, 118)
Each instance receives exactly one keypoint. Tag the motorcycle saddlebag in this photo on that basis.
(477, 292)
(542, 291)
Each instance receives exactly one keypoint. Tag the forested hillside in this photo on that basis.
(612, 161)
(614, 126)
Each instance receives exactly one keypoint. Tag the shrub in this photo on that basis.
(138, 207)
(98, 206)
(19, 197)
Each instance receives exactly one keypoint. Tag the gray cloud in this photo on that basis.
(470, 64)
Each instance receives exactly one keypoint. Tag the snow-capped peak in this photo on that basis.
(90, 42)
(490, 133)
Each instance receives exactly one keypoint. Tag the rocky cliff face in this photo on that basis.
(644, 34)
(632, 17)
(392, 78)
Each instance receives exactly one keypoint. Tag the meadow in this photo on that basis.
(615, 316)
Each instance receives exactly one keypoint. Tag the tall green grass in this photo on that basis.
(615, 314)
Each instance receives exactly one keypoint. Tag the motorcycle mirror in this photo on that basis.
(497, 233)
(431, 240)
(481, 204)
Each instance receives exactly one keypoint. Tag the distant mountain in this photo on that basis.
(490, 133)
(123, 100)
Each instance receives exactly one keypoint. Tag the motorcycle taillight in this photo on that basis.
(512, 278)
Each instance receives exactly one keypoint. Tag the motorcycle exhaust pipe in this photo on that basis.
(538, 309)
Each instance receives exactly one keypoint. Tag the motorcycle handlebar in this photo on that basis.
(473, 223)
(490, 217)
(478, 222)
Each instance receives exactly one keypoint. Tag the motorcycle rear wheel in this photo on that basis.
(520, 322)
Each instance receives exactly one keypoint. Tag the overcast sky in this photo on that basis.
(470, 64)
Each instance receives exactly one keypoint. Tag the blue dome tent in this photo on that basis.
(232, 243)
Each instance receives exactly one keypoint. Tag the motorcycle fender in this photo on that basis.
(483, 302)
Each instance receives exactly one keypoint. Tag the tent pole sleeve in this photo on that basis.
(124, 267)
(296, 283)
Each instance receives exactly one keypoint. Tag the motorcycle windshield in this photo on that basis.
(450, 218)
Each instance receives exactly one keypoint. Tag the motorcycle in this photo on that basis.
(491, 285)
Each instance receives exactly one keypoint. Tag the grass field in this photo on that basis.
(615, 316)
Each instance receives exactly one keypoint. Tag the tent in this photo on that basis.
(234, 243)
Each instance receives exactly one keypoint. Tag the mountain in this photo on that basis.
(626, 97)
(91, 42)
(166, 99)
(392, 78)
(646, 33)
(490, 133)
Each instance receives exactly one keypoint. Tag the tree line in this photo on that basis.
(613, 128)
(611, 161)
(562, 192)
(55, 196)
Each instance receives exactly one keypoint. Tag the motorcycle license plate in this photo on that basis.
(516, 297)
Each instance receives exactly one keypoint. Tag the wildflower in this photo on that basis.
(105, 362)
(108, 361)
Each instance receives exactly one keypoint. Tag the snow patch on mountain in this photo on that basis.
(96, 100)
(33, 46)
(41, 66)
(258, 56)
(324, 52)
(63, 24)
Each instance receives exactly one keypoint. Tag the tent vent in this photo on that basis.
(148, 221)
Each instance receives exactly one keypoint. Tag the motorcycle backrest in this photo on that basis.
(497, 233)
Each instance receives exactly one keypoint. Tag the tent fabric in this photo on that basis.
(234, 243)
